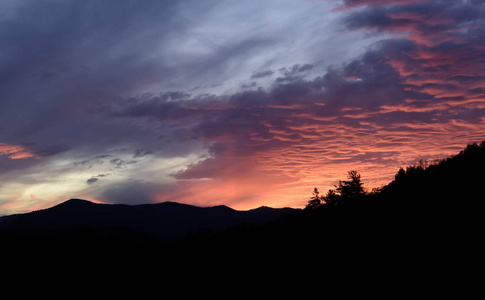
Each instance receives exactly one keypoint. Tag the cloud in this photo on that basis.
(295, 73)
(401, 91)
(119, 163)
(236, 103)
(49, 150)
(431, 22)
(262, 74)
(15, 151)
(141, 153)
(389, 94)
(356, 3)
(92, 180)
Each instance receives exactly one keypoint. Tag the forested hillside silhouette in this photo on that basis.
(451, 183)
(456, 182)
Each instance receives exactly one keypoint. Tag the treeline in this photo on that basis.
(457, 181)
(345, 194)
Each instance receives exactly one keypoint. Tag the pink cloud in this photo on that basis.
(15, 151)
(408, 97)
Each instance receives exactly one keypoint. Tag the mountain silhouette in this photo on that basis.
(164, 220)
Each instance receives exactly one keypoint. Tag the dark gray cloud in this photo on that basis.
(92, 180)
(428, 17)
(142, 153)
(262, 74)
(295, 73)
(119, 163)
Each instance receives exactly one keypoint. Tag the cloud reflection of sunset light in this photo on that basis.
(232, 107)
(15, 151)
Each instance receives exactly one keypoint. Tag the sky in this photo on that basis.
(241, 103)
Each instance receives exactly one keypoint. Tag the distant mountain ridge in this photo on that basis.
(166, 220)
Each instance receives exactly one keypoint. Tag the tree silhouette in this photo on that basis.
(352, 188)
(315, 201)
(331, 198)
(345, 192)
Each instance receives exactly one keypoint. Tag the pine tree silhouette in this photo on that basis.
(352, 188)
(315, 201)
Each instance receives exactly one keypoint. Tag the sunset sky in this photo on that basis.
(242, 103)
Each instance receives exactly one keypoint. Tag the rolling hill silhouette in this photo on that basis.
(164, 220)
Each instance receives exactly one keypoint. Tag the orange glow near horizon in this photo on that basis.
(285, 177)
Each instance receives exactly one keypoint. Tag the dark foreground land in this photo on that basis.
(428, 214)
